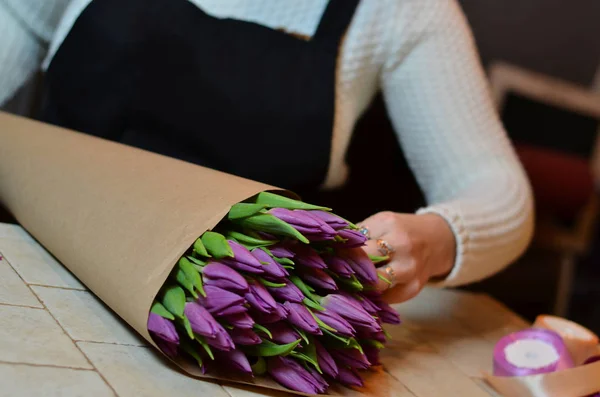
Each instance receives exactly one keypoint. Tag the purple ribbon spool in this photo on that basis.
(531, 352)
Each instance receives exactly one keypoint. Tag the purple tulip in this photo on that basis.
(351, 311)
(279, 251)
(273, 268)
(220, 302)
(234, 359)
(259, 298)
(281, 313)
(222, 341)
(302, 318)
(283, 333)
(162, 329)
(224, 277)
(242, 260)
(339, 266)
(312, 228)
(319, 378)
(332, 220)
(170, 349)
(349, 377)
(244, 337)
(201, 320)
(325, 361)
(362, 301)
(351, 358)
(336, 322)
(360, 262)
(240, 320)
(319, 279)
(292, 375)
(307, 256)
(353, 238)
(288, 293)
(367, 333)
(372, 354)
(386, 313)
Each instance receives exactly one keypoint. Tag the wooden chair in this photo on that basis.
(563, 182)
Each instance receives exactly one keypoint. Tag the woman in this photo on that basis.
(234, 84)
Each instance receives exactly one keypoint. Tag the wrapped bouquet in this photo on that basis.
(217, 272)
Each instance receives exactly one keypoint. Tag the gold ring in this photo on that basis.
(384, 247)
(391, 276)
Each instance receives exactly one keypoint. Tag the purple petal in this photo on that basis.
(224, 277)
(162, 328)
(259, 298)
(325, 361)
(301, 317)
(170, 349)
(351, 311)
(336, 322)
(292, 375)
(282, 333)
(242, 260)
(360, 262)
(349, 377)
(244, 337)
(280, 251)
(234, 359)
(307, 256)
(351, 358)
(353, 238)
(288, 293)
(240, 320)
(332, 220)
(221, 302)
(273, 268)
(319, 279)
(201, 320)
(372, 354)
(339, 266)
(222, 340)
(279, 314)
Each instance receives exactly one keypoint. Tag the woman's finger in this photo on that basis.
(399, 272)
(402, 293)
(379, 224)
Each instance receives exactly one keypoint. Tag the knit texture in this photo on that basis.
(421, 55)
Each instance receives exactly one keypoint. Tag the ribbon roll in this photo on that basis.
(531, 352)
(581, 342)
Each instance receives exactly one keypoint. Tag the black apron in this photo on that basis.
(164, 76)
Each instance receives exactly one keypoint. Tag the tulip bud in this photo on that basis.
(259, 298)
(319, 279)
(302, 318)
(220, 302)
(292, 375)
(234, 359)
(332, 220)
(271, 268)
(336, 322)
(288, 293)
(349, 377)
(360, 262)
(244, 337)
(353, 238)
(242, 259)
(325, 361)
(224, 277)
(240, 320)
(222, 340)
(351, 358)
(201, 320)
(162, 329)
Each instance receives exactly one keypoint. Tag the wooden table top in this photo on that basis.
(57, 338)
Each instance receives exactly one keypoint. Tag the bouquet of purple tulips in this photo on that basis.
(279, 287)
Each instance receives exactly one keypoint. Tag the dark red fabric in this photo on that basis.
(562, 183)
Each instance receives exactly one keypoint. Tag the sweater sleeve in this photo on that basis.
(438, 100)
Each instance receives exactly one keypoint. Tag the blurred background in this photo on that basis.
(542, 58)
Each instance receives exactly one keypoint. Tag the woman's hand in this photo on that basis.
(423, 247)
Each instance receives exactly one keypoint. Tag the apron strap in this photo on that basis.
(335, 21)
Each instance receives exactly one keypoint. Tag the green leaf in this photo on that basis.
(285, 262)
(259, 367)
(198, 262)
(216, 245)
(173, 300)
(270, 284)
(189, 348)
(302, 334)
(192, 274)
(308, 359)
(387, 334)
(355, 345)
(312, 304)
(185, 282)
(383, 278)
(302, 287)
(352, 283)
(263, 329)
(188, 327)
(249, 241)
(270, 349)
(158, 308)
(310, 352)
(322, 325)
(199, 248)
(244, 210)
(345, 341)
(372, 342)
(271, 224)
(205, 345)
(274, 200)
(378, 259)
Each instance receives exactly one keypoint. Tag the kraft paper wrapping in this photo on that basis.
(117, 217)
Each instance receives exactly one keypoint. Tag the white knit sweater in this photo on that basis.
(421, 55)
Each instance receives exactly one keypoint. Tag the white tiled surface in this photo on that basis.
(58, 339)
